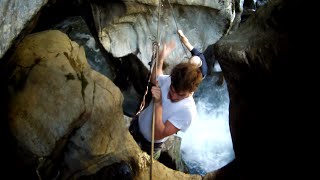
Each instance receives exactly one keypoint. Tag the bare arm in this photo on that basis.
(185, 40)
(161, 129)
(195, 52)
(166, 50)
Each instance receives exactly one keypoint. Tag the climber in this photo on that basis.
(172, 100)
(197, 57)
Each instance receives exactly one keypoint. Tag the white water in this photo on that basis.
(207, 145)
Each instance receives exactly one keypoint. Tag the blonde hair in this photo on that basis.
(196, 60)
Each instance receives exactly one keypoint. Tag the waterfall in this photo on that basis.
(207, 145)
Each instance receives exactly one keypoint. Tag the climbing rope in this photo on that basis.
(153, 113)
(151, 64)
(175, 21)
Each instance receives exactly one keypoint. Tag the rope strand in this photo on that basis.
(153, 114)
(151, 64)
(183, 47)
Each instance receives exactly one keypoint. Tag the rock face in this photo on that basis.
(51, 78)
(256, 61)
(133, 26)
(57, 102)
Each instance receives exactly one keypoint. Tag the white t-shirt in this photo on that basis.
(180, 113)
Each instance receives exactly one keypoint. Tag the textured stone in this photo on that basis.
(14, 16)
